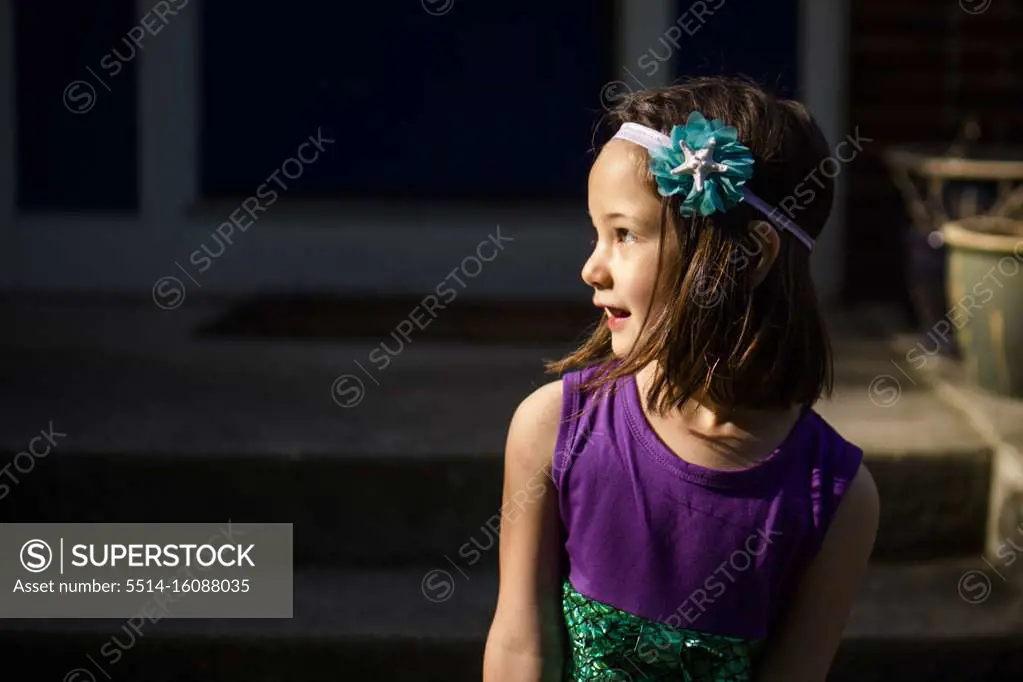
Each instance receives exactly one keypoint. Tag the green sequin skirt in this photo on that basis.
(608, 644)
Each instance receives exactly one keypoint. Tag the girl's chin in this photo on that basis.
(620, 347)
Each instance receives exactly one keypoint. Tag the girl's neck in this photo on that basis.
(741, 437)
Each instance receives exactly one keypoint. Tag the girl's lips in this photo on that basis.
(616, 318)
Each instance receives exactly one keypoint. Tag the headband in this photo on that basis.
(705, 161)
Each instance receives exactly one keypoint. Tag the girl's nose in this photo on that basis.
(595, 272)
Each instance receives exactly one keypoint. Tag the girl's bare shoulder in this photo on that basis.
(533, 432)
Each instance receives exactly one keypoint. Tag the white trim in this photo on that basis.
(642, 26)
(823, 68)
(8, 160)
(168, 91)
(385, 252)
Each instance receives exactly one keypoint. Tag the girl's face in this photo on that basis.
(625, 212)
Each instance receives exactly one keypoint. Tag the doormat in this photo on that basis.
(353, 319)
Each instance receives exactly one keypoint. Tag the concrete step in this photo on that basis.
(912, 623)
(253, 433)
(933, 470)
(361, 511)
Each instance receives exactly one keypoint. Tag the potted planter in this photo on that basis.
(942, 183)
(927, 258)
(984, 285)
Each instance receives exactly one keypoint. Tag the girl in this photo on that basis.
(700, 521)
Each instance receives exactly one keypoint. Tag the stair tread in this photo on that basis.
(272, 399)
(897, 601)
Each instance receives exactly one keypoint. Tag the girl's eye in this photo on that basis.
(625, 235)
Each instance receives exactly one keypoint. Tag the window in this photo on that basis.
(76, 113)
(487, 101)
(755, 39)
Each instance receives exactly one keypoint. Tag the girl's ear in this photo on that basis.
(763, 245)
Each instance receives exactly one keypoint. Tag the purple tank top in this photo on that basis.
(653, 535)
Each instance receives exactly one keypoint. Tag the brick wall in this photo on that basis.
(917, 69)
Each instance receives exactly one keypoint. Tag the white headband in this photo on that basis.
(698, 164)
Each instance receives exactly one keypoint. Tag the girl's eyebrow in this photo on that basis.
(614, 216)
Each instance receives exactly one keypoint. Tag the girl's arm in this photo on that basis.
(804, 646)
(524, 642)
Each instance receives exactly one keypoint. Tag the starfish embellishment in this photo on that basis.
(698, 162)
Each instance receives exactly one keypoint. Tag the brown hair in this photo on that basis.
(719, 339)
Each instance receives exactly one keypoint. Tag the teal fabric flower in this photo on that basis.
(706, 162)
